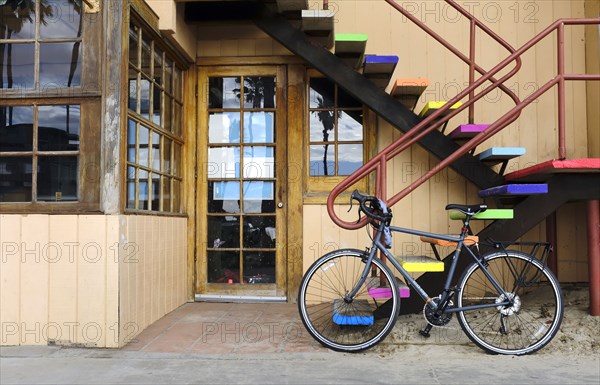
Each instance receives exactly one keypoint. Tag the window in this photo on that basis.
(154, 128)
(336, 134)
(49, 126)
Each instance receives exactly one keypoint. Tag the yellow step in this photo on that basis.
(420, 264)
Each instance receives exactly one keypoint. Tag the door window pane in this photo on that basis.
(17, 70)
(350, 126)
(57, 178)
(259, 92)
(16, 128)
(224, 197)
(60, 64)
(223, 162)
(224, 92)
(15, 180)
(259, 267)
(223, 232)
(350, 158)
(322, 160)
(322, 124)
(259, 162)
(58, 128)
(259, 127)
(224, 127)
(223, 267)
(62, 19)
(322, 93)
(259, 197)
(259, 232)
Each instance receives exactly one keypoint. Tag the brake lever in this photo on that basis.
(351, 203)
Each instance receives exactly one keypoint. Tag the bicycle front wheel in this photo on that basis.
(536, 303)
(348, 325)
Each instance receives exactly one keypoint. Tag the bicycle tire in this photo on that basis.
(343, 326)
(526, 326)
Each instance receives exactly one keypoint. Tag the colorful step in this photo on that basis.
(489, 214)
(408, 91)
(515, 189)
(350, 47)
(496, 155)
(420, 263)
(356, 313)
(379, 68)
(431, 107)
(318, 25)
(469, 241)
(385, 292)
(467, 131)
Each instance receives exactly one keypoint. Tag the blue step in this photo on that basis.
(499, 154)
(379, 68)
(515, 189)
(357, 313)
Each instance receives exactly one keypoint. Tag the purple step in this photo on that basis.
(386, 292)
(467, 131)
(515, 189)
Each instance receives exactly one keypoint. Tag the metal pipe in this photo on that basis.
(552, 238)
(562, 150)
(472, 69)
(593, 232)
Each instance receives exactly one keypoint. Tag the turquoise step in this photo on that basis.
(379, 69)
(350, 47)
(515, 189)
(496, 155)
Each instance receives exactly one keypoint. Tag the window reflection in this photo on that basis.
(321, 93)
(224, 197)
(17, 65)
(259, 127)
(16, 128)
(60, 64)
(222, 94)
(224, 127)
(15, 178)
(322, 160)
(259, 91)
(57, 178)
(17, 20)
(62, 19)
(58, 128)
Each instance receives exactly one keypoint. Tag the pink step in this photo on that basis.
(467, 131)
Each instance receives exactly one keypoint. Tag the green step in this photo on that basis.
(488, 214)
(420, 264)
(350, 47)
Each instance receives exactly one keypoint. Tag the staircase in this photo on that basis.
(522, 200)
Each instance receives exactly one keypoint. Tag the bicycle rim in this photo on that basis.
(353, 326)
(523, 327)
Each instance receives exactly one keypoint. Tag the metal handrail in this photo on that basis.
(379, 162)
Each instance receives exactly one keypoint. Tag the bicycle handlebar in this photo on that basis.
(369, 205)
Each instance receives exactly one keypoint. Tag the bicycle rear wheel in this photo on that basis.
(348, 326)
(537, 304)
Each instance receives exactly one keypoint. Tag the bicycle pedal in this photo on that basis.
(424, 333)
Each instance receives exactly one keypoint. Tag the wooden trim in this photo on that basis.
(189, 170)
(145, 15)
(248, 60)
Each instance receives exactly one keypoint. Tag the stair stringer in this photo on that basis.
(376, 99)
(562, 188)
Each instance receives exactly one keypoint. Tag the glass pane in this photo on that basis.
(350, 126)
(166, 197)
(167, 113)
(321, 126)
(133, 44)
(178, 85)
(224, 197)
(16, 128)
(143, 146)
(350, 158)
(61, 19)
(168, 84)
(345, 100)
(223, 232)
(224, 127)
(155, 192)
(20, 21)
(60, 64)
(158, 64)
(224, 92)
(177, 125)
(156, 151)
(223, 267)
(143, 190)
(16, 71)
(15, 184)
(322, 92)
(259, 127)
(133, 86)
(166, 155)
(57, 178)
(259, 197)
(177, 159)
(58, 128)
(131, 139)
(176, 195)
(223, 162)
(145, 97)
(259, 92)
(259, 267)
(259, 232)
(130, 187)
(156, 104)
(146, 53)
(259, 162)
(322, 160)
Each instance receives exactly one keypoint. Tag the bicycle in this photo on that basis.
(349, 300)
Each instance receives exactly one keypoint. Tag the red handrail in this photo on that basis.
(379, 162)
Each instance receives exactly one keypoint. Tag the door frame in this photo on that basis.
(255, 292)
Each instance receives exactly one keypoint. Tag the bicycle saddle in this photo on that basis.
(468, 209)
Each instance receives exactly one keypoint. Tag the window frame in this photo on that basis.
(317, 188)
